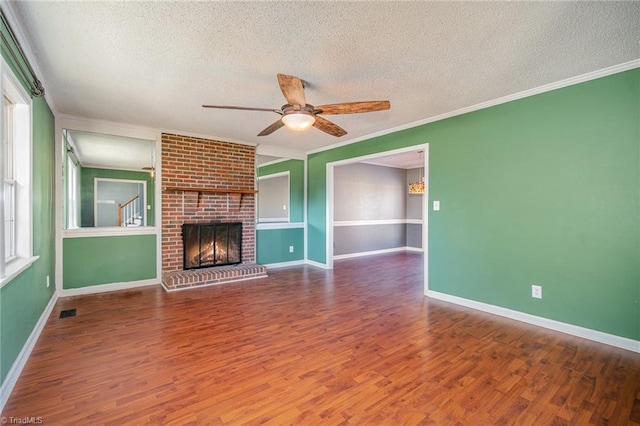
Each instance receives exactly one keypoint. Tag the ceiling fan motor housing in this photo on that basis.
(297, 109)
(298, 118)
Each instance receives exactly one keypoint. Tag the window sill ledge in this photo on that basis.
(15, 268)
(108, 231)
(261, 226)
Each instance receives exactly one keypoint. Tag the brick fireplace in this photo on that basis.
(206, 181)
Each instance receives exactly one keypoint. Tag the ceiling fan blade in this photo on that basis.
(292, 89)
(272, 128)
(353, 107)
(329, 127)
(277, 111)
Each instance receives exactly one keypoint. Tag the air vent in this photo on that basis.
(68, 313)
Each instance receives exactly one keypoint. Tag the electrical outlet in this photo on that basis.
(536, 291)
(290, 249)
(436, 205)
(47, 281)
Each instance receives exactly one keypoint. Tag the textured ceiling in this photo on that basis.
(155, 63)
(112, 152)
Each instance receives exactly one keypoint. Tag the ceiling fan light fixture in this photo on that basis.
(298, 121)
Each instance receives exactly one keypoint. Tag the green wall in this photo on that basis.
(89, 261)
(87, 188)
(24, 299)
(544, 190)
(272, 245)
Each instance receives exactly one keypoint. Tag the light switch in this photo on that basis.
(436, 205)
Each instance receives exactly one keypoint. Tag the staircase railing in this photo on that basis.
(127, 212)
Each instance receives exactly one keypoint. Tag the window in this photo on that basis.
(119, 202)
(73, 191)
(9, 181)
(87, 156)
(16, 250)
(273, 198)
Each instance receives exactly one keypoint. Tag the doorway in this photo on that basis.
(380, 158)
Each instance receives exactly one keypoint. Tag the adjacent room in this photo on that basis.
(320, 213)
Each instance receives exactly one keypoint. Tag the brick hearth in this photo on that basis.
(194, 164)
(179, 280)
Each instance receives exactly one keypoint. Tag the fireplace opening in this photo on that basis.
(211, 244)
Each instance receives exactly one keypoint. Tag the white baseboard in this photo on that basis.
(374, 252)
(285, 264)
(317, 264)
(103, 288)
(376, 222)
(415, 249)
(16, 369)
(574, 330)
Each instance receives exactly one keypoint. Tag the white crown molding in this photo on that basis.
(615, 69)
(21, 360)
(574, 330)
(74, 122)
(270, 163)
(7, 9)
(275, 175)
(285, 153)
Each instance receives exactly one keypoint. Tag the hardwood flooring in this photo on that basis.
(356, 345)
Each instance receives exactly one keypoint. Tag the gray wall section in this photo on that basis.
(414, 235)
(273, 193)
(368, 192)
(115, 192)
(363, 238)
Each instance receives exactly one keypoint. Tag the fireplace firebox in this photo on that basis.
(211, 244)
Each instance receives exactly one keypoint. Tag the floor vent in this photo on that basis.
(68, 313)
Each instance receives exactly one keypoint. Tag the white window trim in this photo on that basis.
(287, 219)
(96, 201)
(73, 194)
(23, 111)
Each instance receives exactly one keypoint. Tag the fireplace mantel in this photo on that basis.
(210, 190)
(234, 196)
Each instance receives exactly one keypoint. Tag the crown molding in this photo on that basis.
(9, 13)
(615, 69)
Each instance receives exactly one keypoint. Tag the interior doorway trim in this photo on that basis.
(425, 202)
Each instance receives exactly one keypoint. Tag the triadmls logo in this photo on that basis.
(27, 420)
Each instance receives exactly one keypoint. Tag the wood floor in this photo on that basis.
(357, 345)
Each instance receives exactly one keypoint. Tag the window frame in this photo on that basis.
(22, 179)
(266, 220)
(96, 200)
(73, 193)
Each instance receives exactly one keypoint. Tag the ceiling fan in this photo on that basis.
(298, 115)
